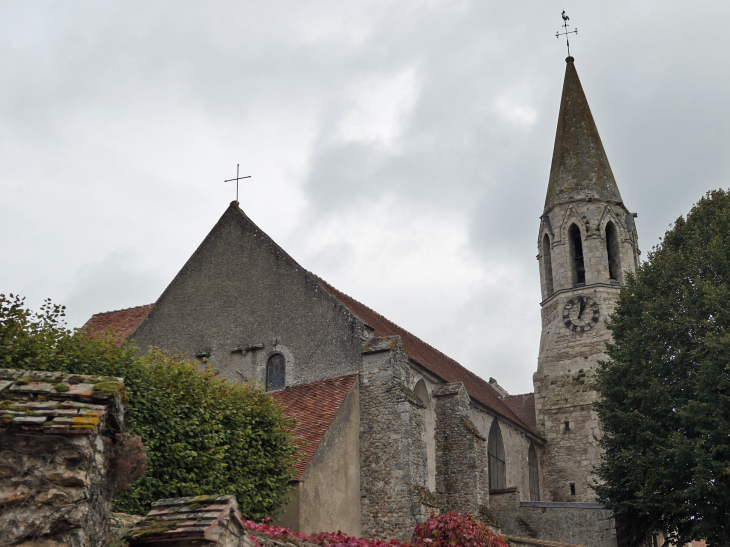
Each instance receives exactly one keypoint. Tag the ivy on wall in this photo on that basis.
(203, 435)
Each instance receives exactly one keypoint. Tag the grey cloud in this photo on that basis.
(106, 109)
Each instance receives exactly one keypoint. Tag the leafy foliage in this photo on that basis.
(203, 435)
(449, 530)
(455, 529)
(665, 408)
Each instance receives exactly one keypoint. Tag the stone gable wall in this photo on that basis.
(240, 298)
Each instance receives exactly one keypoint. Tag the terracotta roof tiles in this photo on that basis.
(121, 323)
(524, 406)
(58, 402)
(428, 357)
(204, 519)
(314, 406)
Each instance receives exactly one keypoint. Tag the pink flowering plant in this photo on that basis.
(449, 530)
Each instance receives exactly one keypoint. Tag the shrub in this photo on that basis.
(203, 435)
(449, 530)
(455, 529)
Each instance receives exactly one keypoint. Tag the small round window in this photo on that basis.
(276, 372)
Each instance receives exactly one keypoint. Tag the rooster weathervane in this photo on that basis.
(565, 26)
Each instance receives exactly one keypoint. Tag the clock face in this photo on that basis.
(580, 313)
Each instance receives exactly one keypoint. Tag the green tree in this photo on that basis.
(203, 435)
(665, 390)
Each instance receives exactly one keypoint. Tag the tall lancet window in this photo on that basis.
(495, 449)
(547, 264)
(534, 473)
(276, 372)
(614, 255)
(576, 254)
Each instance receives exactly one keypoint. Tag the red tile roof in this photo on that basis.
(428, 357)
(314, 406)
(121, 323)
(524, 406)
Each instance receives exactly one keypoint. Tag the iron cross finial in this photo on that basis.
(237, 179)
(565, 26)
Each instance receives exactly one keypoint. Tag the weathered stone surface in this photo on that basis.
(462, 481)
(587, 524)
(54, 490)
(392, 446)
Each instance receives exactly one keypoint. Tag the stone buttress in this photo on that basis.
(393, 467)
(587, 242)
(462, 481)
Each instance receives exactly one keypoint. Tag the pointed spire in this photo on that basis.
(580, 168)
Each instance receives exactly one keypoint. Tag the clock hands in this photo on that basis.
(582, 303)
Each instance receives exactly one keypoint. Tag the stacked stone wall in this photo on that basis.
(586, 524)
(462, 480)
(54, 490)
(393, 473)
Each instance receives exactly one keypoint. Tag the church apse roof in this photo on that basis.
(580, 167)
(429, 357)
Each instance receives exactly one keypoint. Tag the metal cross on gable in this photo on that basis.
(565, 26)
(237, 179)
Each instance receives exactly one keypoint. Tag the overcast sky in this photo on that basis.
(398, 149)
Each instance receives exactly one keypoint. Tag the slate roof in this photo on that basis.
(524, 406)
(314, 406)
(121, 323)
(429, 357)
(201, 518)
(56, 402)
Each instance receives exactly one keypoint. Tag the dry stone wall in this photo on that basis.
(54, 483)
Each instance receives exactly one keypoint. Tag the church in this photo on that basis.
(395, 429)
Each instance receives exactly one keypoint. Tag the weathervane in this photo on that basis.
(565, 26)
(237, 179)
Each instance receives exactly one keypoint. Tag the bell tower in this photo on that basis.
(586, 242)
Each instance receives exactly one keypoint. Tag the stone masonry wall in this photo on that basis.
(564, 393)
(516, 446)
(567, 358)
(586, 524)
(462, 480)
(55, 488)
(393, 474)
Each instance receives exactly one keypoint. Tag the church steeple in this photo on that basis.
(586, 243)
(580, 168)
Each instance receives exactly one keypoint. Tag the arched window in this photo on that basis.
(422, 393)
(614, 255)
(576, 255)
(276, 372)
(533, 473)
(547, 264)
(497, 468)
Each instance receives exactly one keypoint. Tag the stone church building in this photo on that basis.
(395, 429)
